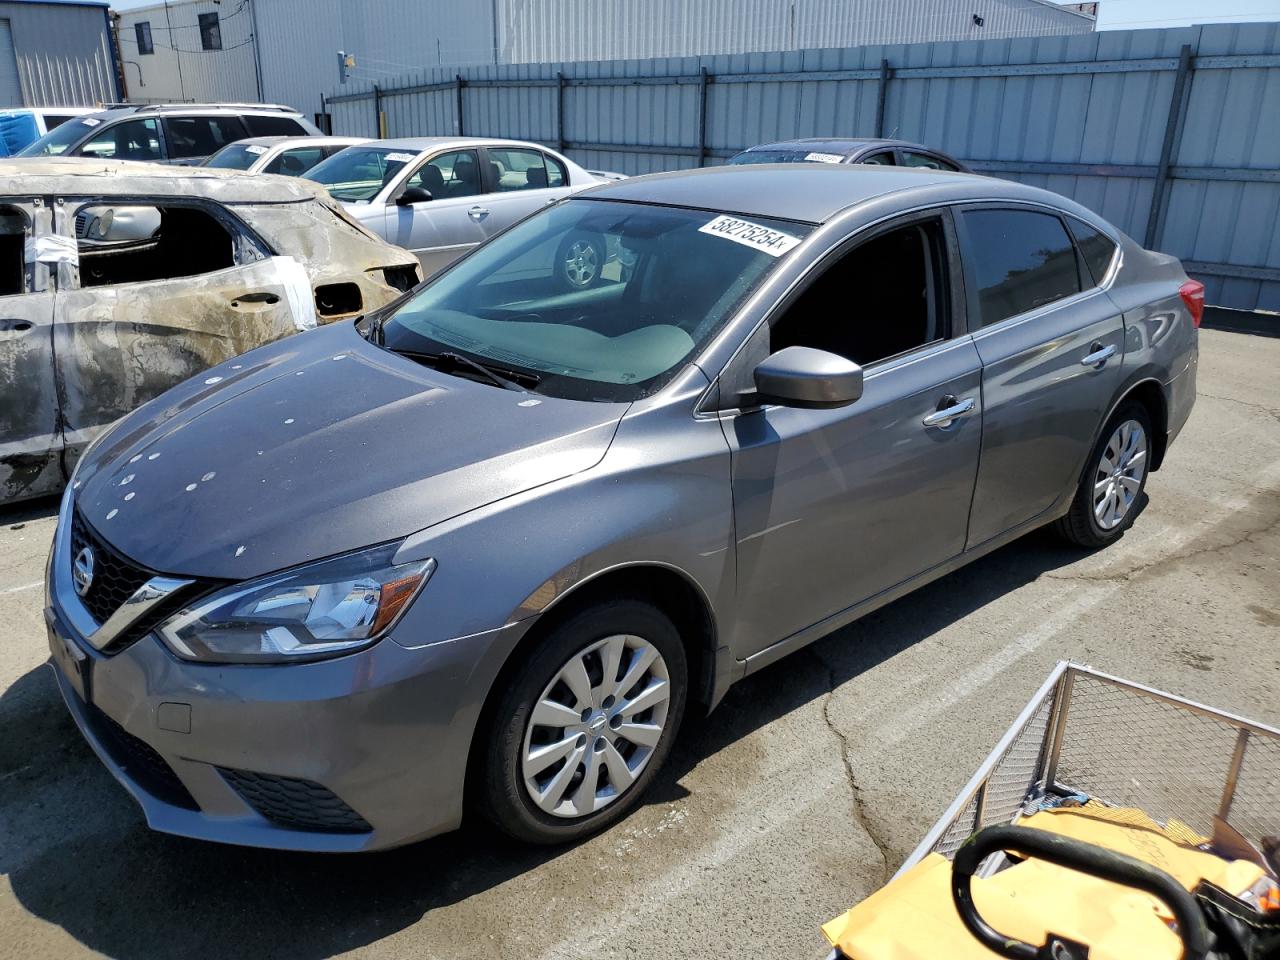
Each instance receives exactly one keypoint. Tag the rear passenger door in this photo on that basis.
(1051, 343)
(520, 180)
(441, 229)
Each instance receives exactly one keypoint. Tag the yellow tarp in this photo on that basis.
(914, 917)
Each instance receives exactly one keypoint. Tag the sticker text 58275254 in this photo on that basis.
(773, 242)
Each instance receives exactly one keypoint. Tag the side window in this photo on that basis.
(449, 175)
(200, 136)
(515, 169)
(887, 296)
(295, 161)
(1021, 260)
(1098, 250)
(912, 159)
(557, 175)
(135, 244)
(13, 269)
(882, 159)
(260, 126)
(142, 34)
(127, 140)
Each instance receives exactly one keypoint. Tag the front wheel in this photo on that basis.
(585, 724)
(1106, 502)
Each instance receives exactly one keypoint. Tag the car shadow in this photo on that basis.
(79, 855)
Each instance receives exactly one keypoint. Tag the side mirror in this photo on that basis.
(413, 195)
(808, 378)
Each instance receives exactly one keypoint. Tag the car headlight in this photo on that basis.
(313, 611)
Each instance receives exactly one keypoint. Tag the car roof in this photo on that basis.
(282, 140)
(193, 110)
(844, 145)
(25, 176)
(422, 144)
(807, 192)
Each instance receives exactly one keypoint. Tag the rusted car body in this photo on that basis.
(92, 325)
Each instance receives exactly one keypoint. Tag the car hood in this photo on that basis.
(316, 445)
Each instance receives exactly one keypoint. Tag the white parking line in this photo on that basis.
(25, 586)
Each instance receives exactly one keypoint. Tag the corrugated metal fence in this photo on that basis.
(1170, 134)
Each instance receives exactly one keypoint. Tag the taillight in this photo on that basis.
(1192, 294)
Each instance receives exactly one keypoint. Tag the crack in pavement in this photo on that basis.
(1244, 403)
(1165, 563)
(859, 813)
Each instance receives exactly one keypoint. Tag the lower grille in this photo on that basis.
(137, 758)
(297, 804)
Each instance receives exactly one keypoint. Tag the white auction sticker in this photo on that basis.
(824, 158)
(400, 157)
(255, 149)
(773, 242)
(90, 121)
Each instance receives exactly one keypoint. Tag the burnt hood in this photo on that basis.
(316, 445)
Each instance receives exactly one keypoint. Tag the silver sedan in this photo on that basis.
(439, 197)
(490, 544)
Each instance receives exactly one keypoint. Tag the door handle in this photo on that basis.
(15, 326)
(954, 410)
(261, 296)
(478, 213)
(1098, 355)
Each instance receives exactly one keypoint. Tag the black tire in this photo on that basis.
(580, 260)
(1080, 525)
(502, 794)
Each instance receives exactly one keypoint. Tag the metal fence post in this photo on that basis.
(882, 92)
(704, 79)
(560, 110)
(1177, 105)
(459, 83)
(377, 113)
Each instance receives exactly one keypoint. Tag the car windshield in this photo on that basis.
(359, 173)
(593, 299)
(792, 155)
(236, 156)
(61, 138)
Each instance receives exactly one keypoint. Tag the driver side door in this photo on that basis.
(442, 229)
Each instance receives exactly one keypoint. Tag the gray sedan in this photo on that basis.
(489, 545)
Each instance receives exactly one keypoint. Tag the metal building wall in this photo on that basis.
(535, 31)
(63, 53)
(299, 42)
(179, 70)
(1085, 116)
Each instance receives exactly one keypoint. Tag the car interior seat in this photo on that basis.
(537, 177)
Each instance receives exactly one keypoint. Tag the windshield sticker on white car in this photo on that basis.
(255, 149)
(400, 157)
(824, 158)
(773, 242)
(90, 121)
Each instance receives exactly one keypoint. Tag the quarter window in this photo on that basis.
(455, 174)
(897, 281)
(1021, 260)
(210, 32)
(1097, 249)
(127, 140)
(142, 34)
(557, 175)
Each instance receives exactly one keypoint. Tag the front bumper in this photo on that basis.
(362, 752)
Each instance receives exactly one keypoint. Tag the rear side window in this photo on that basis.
(200, 136)
(912, 159)
(260, 126)
(882, 159)
(1098, 250)
(515, 169)
(1021, 260)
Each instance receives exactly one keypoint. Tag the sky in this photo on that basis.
(1112, 14)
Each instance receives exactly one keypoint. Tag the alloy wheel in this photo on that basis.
(595, 726)
(1118, 478)
(581, 263)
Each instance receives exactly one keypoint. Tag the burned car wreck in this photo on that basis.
(119, 280)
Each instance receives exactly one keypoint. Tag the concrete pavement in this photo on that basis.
(792, 801)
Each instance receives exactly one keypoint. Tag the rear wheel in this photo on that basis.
(585, 724)
(1106, 502)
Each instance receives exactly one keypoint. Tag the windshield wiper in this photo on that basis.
(449, 358)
